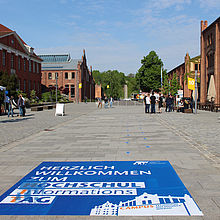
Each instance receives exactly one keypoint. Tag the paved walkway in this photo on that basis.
(190, 142)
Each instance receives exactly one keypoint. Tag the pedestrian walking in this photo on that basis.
(85, 99)
(106, 102)
(7, 99)
(153, 102)
(21, 105)
(12, 105)
(99, 102)
(111, 102)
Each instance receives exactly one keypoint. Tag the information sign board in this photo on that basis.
(60, 110)
(106, 188)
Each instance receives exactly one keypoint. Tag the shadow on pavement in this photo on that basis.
(16, 119)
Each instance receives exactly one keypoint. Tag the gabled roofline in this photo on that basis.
(22, 43)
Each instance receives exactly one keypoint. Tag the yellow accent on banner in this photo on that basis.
(107, 86)
(191, 83)
(80, 85)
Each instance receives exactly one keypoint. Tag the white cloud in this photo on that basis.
(209, 4)
(164, 4)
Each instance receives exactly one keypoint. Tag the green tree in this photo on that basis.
(9, 81)
(116, 81)
(149, 75)
(174, 85)
(132, 84)
(166, 86)
(97, 76)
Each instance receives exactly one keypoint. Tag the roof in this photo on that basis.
(4, 29)
(214, 22)
(59, 62)
(55, 58)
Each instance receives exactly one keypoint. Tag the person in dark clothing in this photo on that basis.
(153, 102)
(160, 104)
(172, 103)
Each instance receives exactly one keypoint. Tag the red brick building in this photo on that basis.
(185, 70)
(210, 62)
(73, 75)
(16, 57)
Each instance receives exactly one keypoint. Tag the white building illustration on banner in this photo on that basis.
(150, 204)
(105, 209)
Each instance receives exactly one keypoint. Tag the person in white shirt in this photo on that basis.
(147, 103)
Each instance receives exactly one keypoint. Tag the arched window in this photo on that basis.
(49, 75)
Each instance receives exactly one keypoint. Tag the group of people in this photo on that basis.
(107, 102)
(11, 105)
(150, 101)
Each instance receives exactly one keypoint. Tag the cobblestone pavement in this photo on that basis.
(190, 142)
(16, 128)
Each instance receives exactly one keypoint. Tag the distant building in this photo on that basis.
(210, 62)
(16, 57)
(98, 91)
(73, 76)
(184, 71)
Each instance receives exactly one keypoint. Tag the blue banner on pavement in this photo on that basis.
(100, 188)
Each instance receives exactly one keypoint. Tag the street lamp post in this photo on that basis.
(196, 88)
(56, 76)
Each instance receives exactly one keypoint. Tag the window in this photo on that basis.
(73, 75)
(24, 65)
(29, 85)
(12, 61)
(38, 67)
(24, 85)
(49, 75)
(72, 91)
(66, 89)
(29, 65)
(34, 67)
(34, 86)
(66, 75)
(19, 62)
(4, 58)
(196, 66)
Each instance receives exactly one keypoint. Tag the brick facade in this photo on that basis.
(185, 70)
(210, 59)
(16, 57)
(71, 74)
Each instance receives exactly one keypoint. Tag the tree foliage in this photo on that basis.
(149, 75)
(174, 85)
(112, 82)
(166, 86)
(10, 82)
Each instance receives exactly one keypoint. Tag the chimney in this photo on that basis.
(204, 25)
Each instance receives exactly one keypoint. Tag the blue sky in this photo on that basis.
(116, 34)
